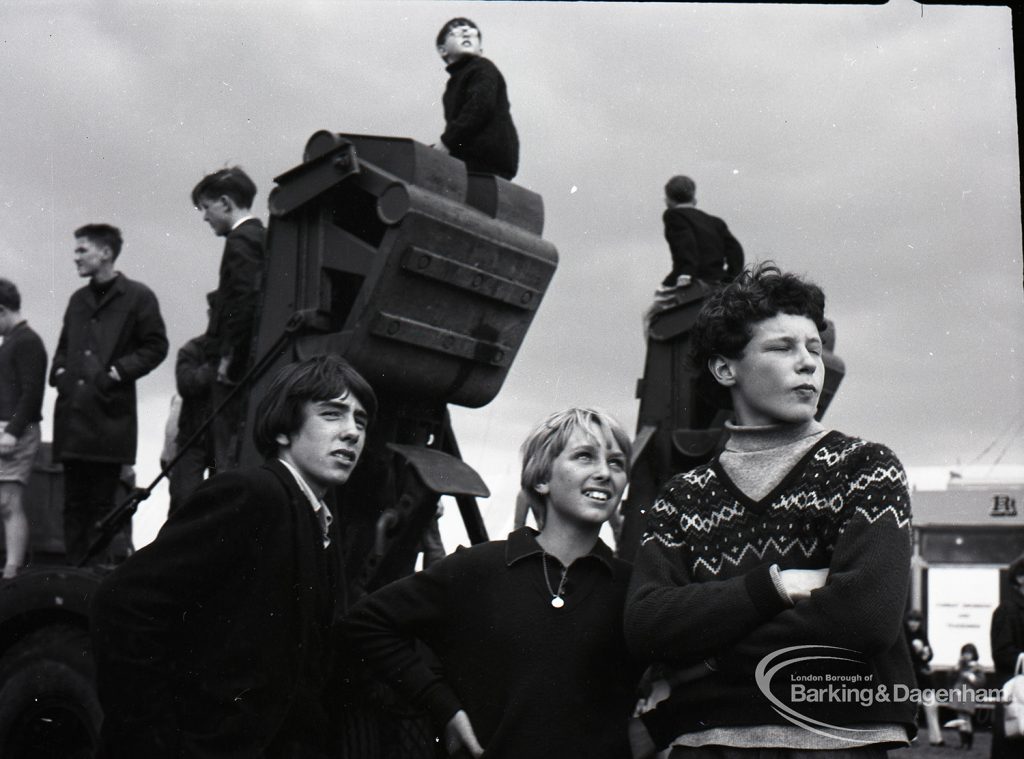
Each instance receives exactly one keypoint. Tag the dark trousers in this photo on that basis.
(188, 473)
(1003, 747)
(90, 488)
(226, 427)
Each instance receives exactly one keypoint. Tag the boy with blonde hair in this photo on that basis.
(528, 629)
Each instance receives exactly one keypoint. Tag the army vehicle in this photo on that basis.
(426, 278)
(382, 250)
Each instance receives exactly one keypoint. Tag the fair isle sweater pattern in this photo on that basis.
(703, 513)
(702, 590)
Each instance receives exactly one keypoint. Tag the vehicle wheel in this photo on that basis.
(48, 703)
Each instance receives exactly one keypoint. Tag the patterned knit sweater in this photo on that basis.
(702, 590)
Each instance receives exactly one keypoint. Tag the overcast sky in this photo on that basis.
(872, 148)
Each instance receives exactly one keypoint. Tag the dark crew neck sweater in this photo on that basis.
(22, 378)
(535, 681)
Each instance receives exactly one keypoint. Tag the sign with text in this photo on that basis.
(960, 605)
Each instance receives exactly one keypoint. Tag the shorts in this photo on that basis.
(17, 467)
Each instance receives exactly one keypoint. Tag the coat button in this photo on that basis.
(88, 352)
(80, 382)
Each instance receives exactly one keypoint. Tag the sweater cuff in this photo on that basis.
(762, 591)
(14, 428)
(442, 703)
(779, 585)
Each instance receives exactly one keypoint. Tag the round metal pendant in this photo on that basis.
(557, 602)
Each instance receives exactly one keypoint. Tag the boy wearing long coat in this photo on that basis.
(113, 334)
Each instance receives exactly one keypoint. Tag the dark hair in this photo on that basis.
(102, 234)
(680, 189)
(232, 182)
(969, 648)
(441, 35)
(10, 298)
(319, 378)
(726, 320)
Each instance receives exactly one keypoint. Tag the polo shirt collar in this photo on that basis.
(523, 543)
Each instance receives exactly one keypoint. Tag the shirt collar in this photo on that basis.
(241, 221)
(523, 543)
(323, 514)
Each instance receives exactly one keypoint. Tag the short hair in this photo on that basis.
(970, 648)
(549, 438)
(10, 298)
(726, 320)
(680, 189)
(318, 378)
(231, 181)
(449, 25)
(102, 234)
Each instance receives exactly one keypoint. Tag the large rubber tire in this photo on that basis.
(48, 703)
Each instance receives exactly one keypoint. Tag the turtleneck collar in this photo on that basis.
(743, 439)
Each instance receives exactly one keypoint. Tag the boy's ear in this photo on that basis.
(228, 202)
(440, 52)
(721, 369)
(282, 440)
(542, 488)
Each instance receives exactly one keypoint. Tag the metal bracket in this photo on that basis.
(442, 473)
(466, 277)
(427, 336)
(313, 178)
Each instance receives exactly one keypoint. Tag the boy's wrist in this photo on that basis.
(763, 591)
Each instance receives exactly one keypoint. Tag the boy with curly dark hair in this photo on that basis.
(794, 541)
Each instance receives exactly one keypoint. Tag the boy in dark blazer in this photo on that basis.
(702, 246)
(225, 200)
(215, 639)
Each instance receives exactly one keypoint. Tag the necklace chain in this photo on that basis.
(556, 595)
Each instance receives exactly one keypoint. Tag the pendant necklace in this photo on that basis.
(556, 595)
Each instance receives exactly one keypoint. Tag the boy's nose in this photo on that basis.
(806, 360)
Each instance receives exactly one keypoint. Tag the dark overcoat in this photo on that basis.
(95, 416)
(214, 640)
